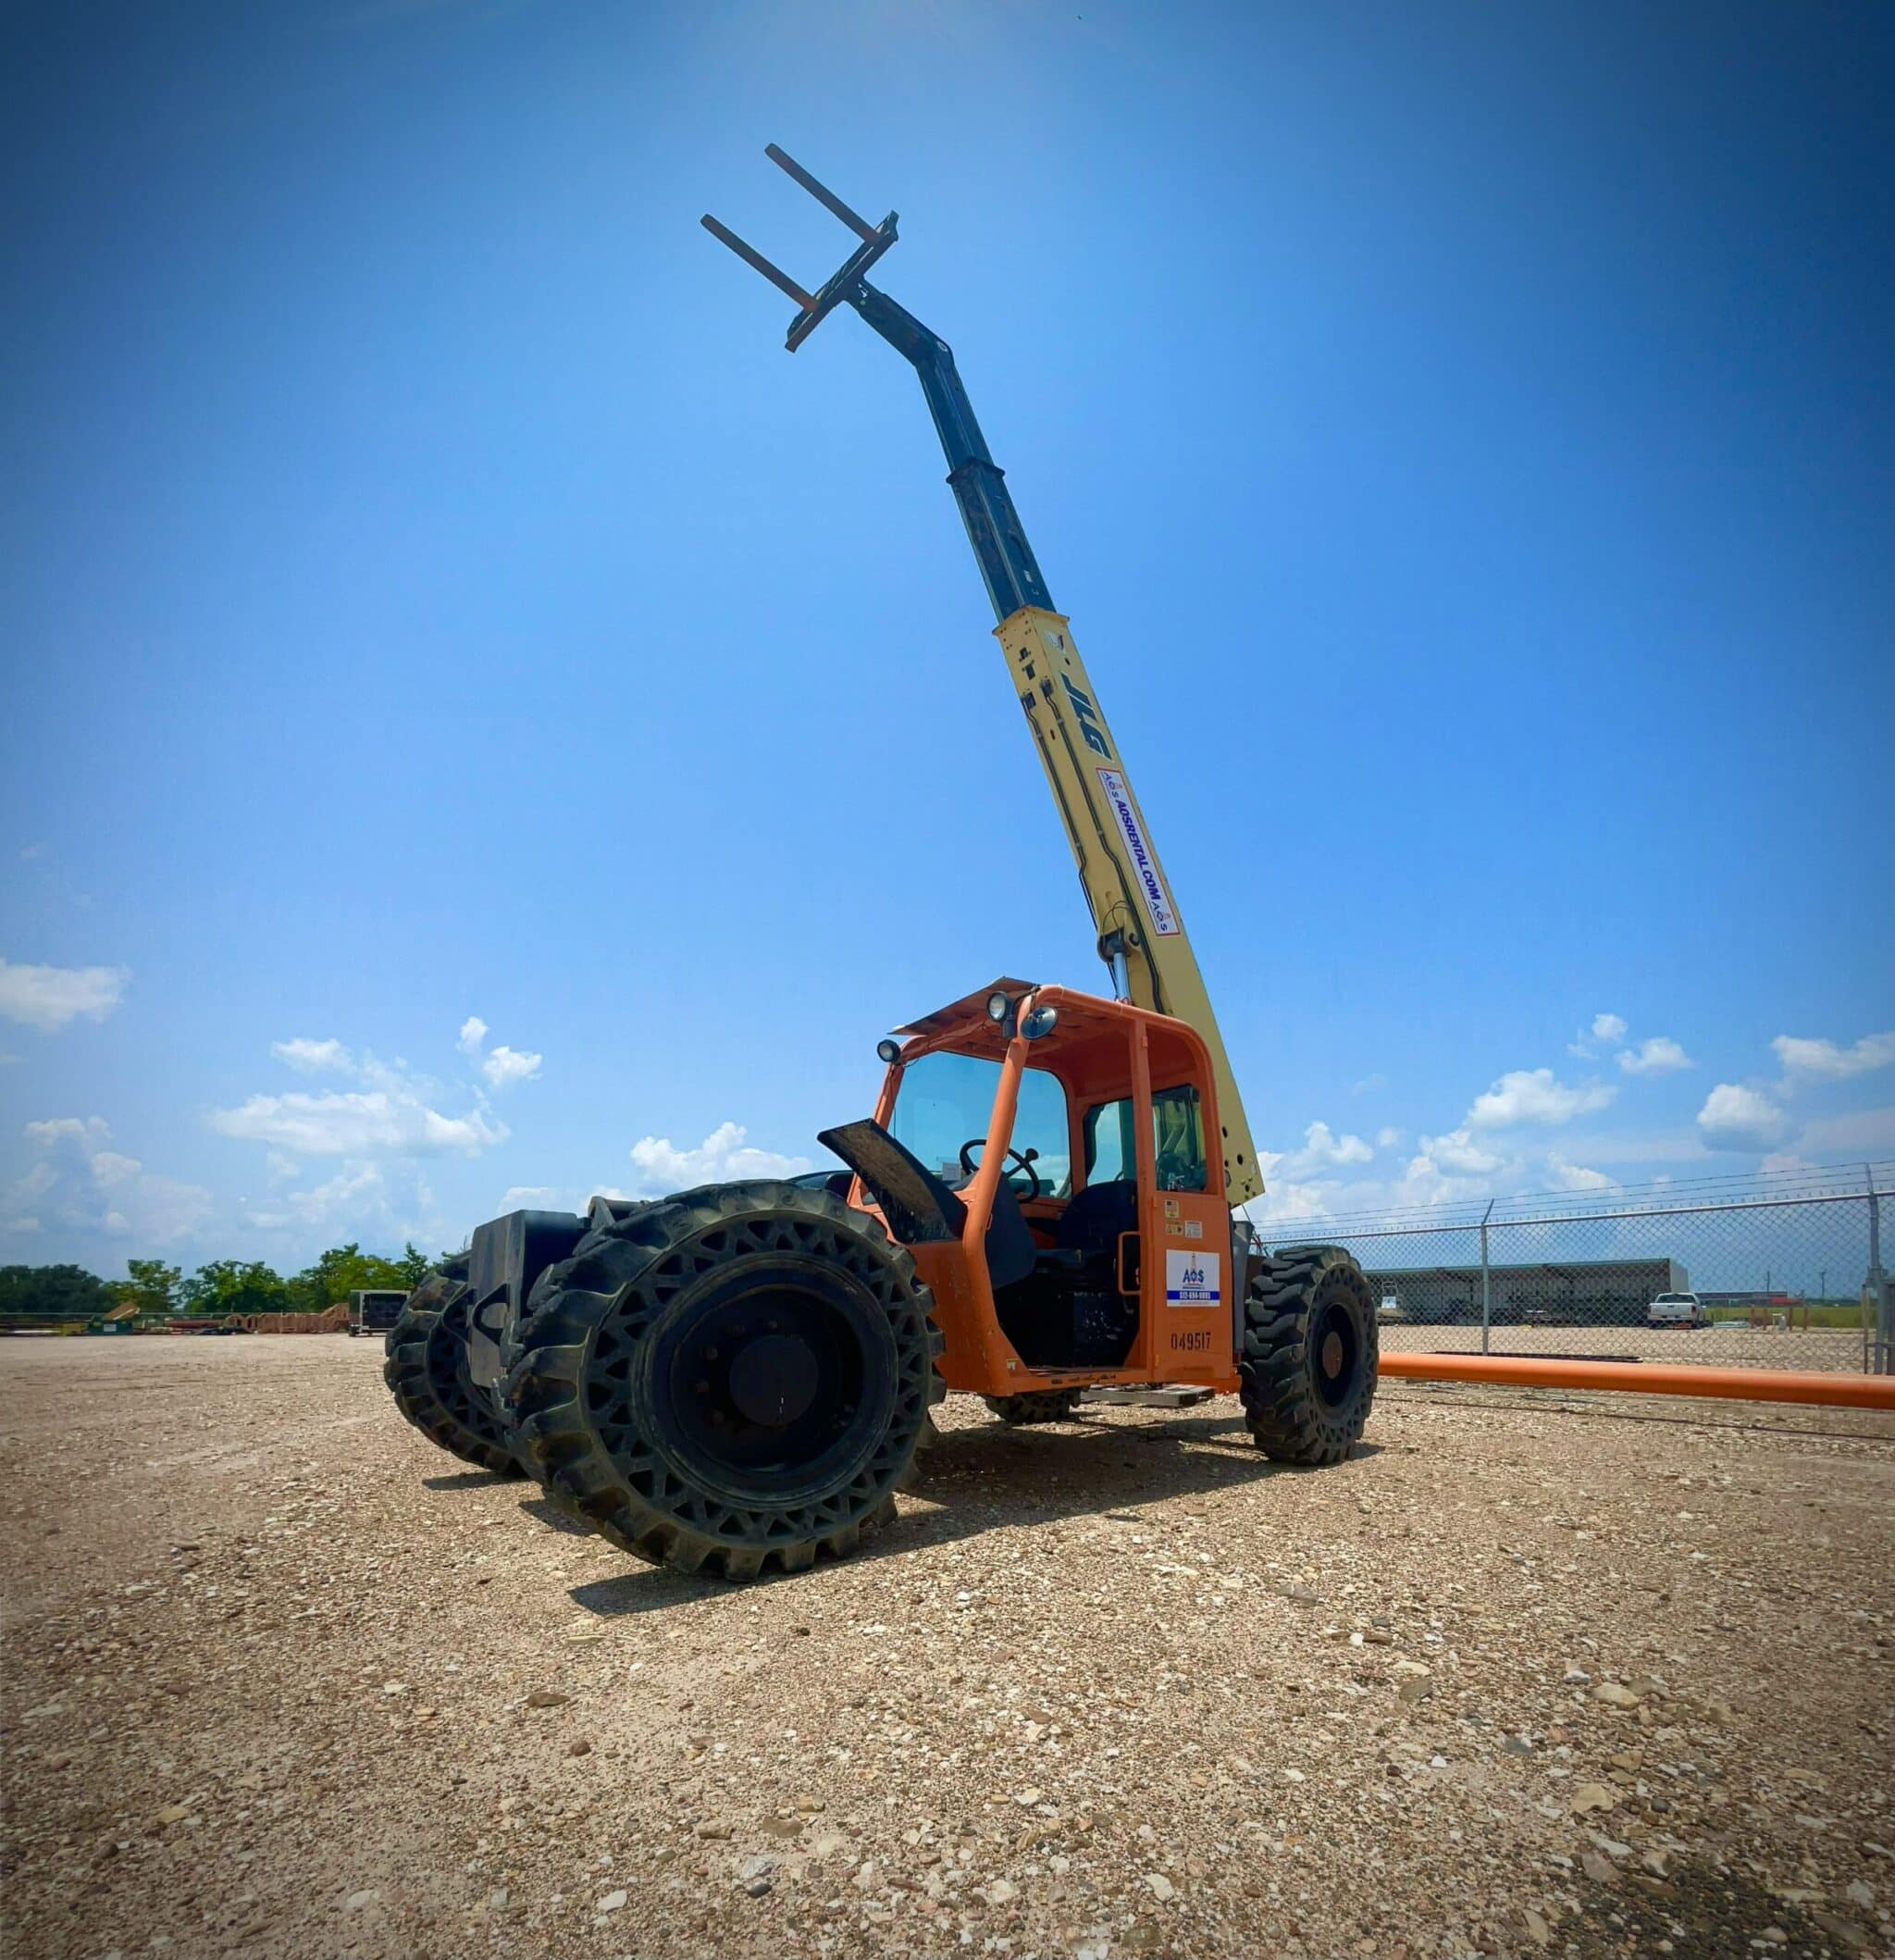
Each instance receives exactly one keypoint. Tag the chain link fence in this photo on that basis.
(1782, 1270)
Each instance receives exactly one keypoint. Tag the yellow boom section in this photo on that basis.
(1125, 884)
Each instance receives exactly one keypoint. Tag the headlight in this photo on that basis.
(998, 1006)
(889, 1050)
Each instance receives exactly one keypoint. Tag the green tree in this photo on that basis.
(53, 1292)
(153, 1285)
(412, 1265)
(340, 1272)
(235, 1286)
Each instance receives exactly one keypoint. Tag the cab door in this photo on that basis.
(1186, 1308)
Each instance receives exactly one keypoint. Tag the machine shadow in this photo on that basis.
(989, 1477)
(466, 1480)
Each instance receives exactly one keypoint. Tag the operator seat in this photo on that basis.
(1086, 1236)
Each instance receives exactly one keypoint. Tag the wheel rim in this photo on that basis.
(773, 1378)
(1337, 1347)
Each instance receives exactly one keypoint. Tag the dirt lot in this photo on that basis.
(285, 1680)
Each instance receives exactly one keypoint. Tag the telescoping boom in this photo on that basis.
(1141, 928)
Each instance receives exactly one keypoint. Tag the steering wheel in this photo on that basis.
(1023, 1159)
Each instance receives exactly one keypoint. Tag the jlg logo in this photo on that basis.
(1090, 731)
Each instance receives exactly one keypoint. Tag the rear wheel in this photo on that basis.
(1037, 1405)
(732, 1380)
(427, 1370)
(1310, 1355)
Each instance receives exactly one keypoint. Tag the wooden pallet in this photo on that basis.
(1148, 1397)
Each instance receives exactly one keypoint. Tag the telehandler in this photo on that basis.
(736, 1378)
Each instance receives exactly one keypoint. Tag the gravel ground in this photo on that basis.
(1521, 1677)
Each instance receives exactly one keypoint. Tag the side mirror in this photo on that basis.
(1039, 1021)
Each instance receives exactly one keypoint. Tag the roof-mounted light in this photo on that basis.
(889, 1050)
(1000, 1005)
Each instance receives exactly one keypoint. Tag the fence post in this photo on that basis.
(1486, 1287)
(1879, 1282)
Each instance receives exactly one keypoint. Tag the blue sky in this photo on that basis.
(1462, 435)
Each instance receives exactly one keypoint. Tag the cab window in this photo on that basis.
(1177, 1122)
(946, 1101)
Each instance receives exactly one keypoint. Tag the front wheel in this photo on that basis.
(427, 1371)
(1310, 1355)
(732, 1381)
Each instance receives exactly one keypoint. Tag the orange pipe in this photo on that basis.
(1645, 1378)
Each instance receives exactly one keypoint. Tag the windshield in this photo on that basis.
(946, 1101)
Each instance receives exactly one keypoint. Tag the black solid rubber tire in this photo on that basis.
(426, 1371)
(1293, 1413)
(1036, 1405)
(593, 1419)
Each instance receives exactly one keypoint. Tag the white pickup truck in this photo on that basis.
(1676, 1309)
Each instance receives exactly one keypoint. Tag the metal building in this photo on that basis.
(1562, 1293)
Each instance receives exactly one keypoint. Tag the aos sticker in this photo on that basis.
(1193, 1279)
(1151, 886)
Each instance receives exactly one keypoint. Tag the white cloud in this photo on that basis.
(1608, 1028)
(354, 1188)
(1801, 1055)
(1535, 1096)
(1736, 1118)
(77, 1184)
(1286, 1204)
(1574, 1178)
(394, 1109)
(507, 1065)
(1322, 1151)
(532, 1197)
(89, 1132)
(504, 1066)
(346, 1124)
(380, 1204)
(1869, 1130)
(554, 1197)
(314, 1057)
(1368, 1084)
(1455, 1155)
(1387, 1137)
(48, 996)
(660, 1167)
(1658, 1055)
